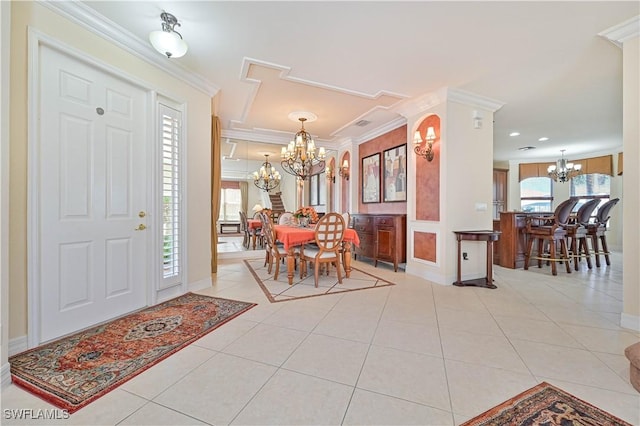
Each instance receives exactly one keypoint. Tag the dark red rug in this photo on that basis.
(75, 370)
(545, 405)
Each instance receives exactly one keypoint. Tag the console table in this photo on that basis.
(489, 237)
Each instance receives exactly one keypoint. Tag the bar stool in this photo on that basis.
(598, 229)
(549, 230)
(577, 233)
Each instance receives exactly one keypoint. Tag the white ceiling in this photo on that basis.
(351, 61)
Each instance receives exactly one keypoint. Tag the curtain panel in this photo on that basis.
(216, 184)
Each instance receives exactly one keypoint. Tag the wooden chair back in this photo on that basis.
(330, 232)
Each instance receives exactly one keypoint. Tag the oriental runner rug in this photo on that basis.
(76, 370)
(545, 405)
(280, 291)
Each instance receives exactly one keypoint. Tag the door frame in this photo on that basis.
(36, 40)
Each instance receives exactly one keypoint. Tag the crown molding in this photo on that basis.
(622, 32)
(472, 99)
(379, 131)
(97, 24)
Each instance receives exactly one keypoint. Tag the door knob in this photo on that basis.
(141, 214)
(140, 227)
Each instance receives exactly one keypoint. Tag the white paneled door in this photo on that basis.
(92, 196)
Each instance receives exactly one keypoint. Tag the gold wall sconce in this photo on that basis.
(331, 177)
(417, 140)
(344, 170)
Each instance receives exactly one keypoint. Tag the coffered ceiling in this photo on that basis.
(355, 64)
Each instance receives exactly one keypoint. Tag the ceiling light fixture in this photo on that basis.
(563, 171)
(417, 140)
(168, 41)
(526, 148)
(543, 139)
(514, 134)
(267, 177)
(299, 158)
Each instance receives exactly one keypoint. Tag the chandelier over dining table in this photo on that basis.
(299, 158)
(267, 177)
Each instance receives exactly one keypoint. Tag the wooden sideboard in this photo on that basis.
(509, 250)
(382, 237)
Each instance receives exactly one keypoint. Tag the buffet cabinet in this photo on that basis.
(382, 237)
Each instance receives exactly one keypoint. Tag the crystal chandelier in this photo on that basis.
(563, 171)
(267, 177)
(299, 158)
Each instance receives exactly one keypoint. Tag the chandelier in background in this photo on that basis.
(563, 171)
(267, 177)
(299, 158)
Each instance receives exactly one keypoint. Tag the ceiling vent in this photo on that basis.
(362, 123)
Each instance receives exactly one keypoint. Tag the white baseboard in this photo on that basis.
(631, 322)
(17, 345)
(5, 375)
(201, 285)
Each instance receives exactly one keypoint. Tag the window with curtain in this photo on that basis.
(591, 185)
(536, 194)
(230, 205)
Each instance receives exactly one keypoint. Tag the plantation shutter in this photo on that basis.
(172, 229)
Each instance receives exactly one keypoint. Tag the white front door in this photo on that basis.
(92, 198)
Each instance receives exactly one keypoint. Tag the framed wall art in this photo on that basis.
(371, 178)
(394, 176)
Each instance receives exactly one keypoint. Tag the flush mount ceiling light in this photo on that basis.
(543, 139)
(168, 41)
(514, 134)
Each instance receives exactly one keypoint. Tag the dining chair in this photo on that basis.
(244, 228)
(275, 252)
(286, 218)
(329, 234)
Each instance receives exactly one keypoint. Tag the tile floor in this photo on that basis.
(414, 353)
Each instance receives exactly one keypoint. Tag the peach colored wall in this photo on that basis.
(428, 175)
(424, 246)
(378, 145)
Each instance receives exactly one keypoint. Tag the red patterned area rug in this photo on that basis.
(545, 405)
(78, 369)
(280, 291)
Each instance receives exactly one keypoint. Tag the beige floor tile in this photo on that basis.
(296, 399)
(217, 391)
(296, 316)
(222, 337)
(487, 350)
(475, 388)
(369, 408)
(602, 340)
(569, 364)
(410, 337)
(266, 343)
(405, 375)
(153, 414)
(472, 322)
(536, 330)
(158, 378)
(329, 358)
(347, 325)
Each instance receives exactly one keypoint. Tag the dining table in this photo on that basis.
(254, 226)
(295, 236)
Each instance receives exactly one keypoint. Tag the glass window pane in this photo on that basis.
(535, 187)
